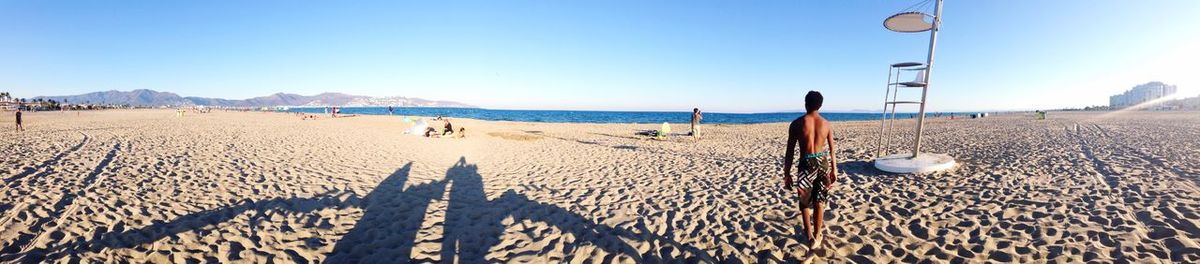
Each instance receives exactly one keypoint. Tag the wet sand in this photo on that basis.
(147, 186)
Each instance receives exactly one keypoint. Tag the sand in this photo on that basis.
(147, 186)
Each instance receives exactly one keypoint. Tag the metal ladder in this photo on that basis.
(894, 85)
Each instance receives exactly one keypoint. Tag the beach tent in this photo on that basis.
(418, 128)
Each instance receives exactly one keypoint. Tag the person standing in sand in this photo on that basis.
(19, 127)
(696, 123)
(818, 167)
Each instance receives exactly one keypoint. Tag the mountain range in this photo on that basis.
(143, 97)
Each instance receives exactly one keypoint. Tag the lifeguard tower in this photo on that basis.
(914, 162)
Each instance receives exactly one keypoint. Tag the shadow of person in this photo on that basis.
(474, 224)
(387, 208)
(585, 231)
(472, 227)
(102, 238)
(392, 218)
(392, 215)
(860, 167)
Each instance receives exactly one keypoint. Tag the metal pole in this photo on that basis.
(892, 120)
(883, 114)
(937, 24)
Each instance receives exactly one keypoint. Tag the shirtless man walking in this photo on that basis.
(817, 167)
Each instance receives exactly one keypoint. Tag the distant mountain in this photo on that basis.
(135, 97)
(144, 97)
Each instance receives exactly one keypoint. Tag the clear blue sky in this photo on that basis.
(730, 56)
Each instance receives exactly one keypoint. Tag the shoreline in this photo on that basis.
(608, 117)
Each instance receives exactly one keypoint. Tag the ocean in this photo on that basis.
(568, 116)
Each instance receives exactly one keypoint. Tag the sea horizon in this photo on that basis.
(609, 116)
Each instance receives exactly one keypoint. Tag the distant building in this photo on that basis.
(1140, 94)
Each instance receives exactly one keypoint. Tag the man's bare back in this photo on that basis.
(813, 134)
(818, 165)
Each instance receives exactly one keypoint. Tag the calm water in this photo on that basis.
(564, 116)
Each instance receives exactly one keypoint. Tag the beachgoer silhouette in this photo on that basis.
(19, 126)
(696, 123)
(392, 218)
(471, 226)
(392, 215)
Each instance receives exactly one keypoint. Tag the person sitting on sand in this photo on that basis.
(462, 133)
(818, 169)
(449, 129)
(429, 131)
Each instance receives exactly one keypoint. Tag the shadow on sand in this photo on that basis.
(649, 150)
(12, 180)
(392, 218)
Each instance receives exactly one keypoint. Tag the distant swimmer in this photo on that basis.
(696, 123)
(818, 167)
(19, 126)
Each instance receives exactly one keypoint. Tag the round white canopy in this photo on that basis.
(908, 22)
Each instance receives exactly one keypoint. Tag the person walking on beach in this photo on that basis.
(817, 167)
(696, 123)
(391, 110)
(19, 127)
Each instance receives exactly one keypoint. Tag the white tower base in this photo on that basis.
(905, 163)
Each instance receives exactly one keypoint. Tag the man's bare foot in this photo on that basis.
(816, 242)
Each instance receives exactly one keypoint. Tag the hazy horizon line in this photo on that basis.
(646, 109)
